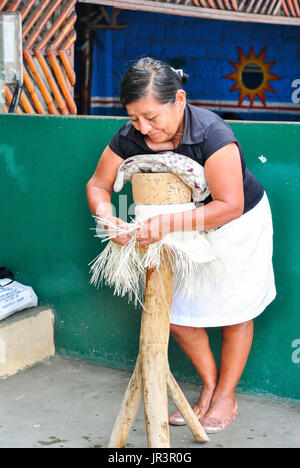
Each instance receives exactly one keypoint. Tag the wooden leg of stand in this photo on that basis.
(129, 408)
(156, 401)
(154, 339)
(185, 409)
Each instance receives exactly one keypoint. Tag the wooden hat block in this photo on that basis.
(152, 379)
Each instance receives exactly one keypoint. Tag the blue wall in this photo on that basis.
(204, 48)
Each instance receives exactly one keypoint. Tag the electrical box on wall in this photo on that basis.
(11, 55)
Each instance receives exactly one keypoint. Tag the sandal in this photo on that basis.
(176, 419)
(212, 425)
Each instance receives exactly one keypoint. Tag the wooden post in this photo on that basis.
(152, 377)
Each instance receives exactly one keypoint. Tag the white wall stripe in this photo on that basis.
(278, 107)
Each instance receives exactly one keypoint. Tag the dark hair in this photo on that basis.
(148, 74)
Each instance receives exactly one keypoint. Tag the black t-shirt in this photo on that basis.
(204, 133)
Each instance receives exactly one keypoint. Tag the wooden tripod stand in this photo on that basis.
(152, 378)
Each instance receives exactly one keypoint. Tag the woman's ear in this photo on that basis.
(181, 99)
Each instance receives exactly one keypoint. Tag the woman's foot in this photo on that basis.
(222, 412)
(200, 408)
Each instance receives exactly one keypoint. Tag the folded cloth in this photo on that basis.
(188, 170)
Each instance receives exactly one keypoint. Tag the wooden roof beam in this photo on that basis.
(188, 10)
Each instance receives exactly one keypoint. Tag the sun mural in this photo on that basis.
(252, 76)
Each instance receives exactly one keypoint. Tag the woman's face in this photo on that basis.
(159, 122)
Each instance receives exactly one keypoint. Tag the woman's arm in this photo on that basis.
(100, 187)
(223, 172)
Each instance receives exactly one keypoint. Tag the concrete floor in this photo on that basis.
(61, 403)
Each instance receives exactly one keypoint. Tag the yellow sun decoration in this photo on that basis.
(252, 76)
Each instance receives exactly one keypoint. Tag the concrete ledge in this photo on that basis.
(26, 337)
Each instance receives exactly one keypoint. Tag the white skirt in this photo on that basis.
(247, 286)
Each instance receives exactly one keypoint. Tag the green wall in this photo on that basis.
(46, 238)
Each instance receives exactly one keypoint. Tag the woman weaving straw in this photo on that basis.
(236, 211)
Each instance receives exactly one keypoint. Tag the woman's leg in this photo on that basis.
(236, 345)
(195, 344)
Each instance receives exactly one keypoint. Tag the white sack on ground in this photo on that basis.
(15, 297)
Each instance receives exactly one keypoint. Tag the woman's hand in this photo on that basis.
(113, 233)
(154, 229)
